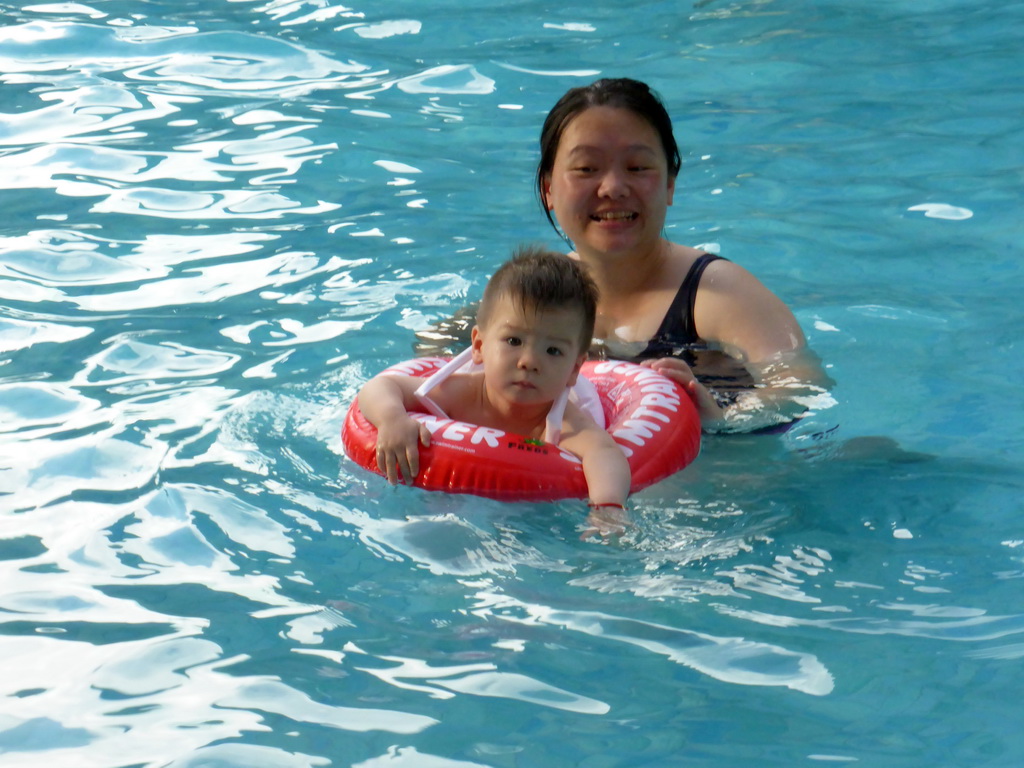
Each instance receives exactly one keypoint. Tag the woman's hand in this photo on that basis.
(786, 388)
(681, 373)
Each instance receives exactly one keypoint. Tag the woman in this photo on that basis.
(606, 177)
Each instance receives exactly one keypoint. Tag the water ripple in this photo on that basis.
(729, 659)
(179, 61)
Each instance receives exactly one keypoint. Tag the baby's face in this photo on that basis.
(529, 356)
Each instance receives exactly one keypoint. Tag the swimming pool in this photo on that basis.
(222, 218)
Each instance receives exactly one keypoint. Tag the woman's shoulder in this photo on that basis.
(734, 282)
(734, 308)
(685, 260)
(683, 256)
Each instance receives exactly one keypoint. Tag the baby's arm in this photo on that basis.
(385, 401)
(605, 467)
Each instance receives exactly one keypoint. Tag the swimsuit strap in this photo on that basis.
(681, 310)
(553, 424)
(678, 330)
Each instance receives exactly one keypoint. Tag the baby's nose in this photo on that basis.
(527, 358)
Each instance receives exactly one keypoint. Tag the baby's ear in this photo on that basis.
(477, 342)
(576, 368)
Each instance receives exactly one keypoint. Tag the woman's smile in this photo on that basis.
(612, 216)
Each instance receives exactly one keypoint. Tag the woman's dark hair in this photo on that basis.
(621, 93)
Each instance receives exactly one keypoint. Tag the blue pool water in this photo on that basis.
(221, 218)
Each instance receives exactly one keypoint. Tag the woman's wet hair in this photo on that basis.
(621, 93)
(538, 279)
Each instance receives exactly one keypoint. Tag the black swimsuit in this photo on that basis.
(677, 337)
(678, 328)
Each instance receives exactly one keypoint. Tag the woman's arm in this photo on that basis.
(735, 311)
(447, 337)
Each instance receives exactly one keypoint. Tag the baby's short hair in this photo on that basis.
(539, 279)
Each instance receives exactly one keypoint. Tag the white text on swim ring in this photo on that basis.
(456, 431)
(657, 393)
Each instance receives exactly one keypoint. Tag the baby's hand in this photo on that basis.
(398, 449)
(609, 521)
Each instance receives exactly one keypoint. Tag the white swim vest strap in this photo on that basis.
(442, 373)
(553, 424)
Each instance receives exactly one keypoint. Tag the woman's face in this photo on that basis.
(609, 185)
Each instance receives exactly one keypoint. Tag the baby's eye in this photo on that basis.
(513, 341)
(555, 352)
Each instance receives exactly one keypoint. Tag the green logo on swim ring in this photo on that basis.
(532, 441)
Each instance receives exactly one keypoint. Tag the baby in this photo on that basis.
(533, 329)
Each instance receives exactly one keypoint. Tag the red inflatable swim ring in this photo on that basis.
(647, 414)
